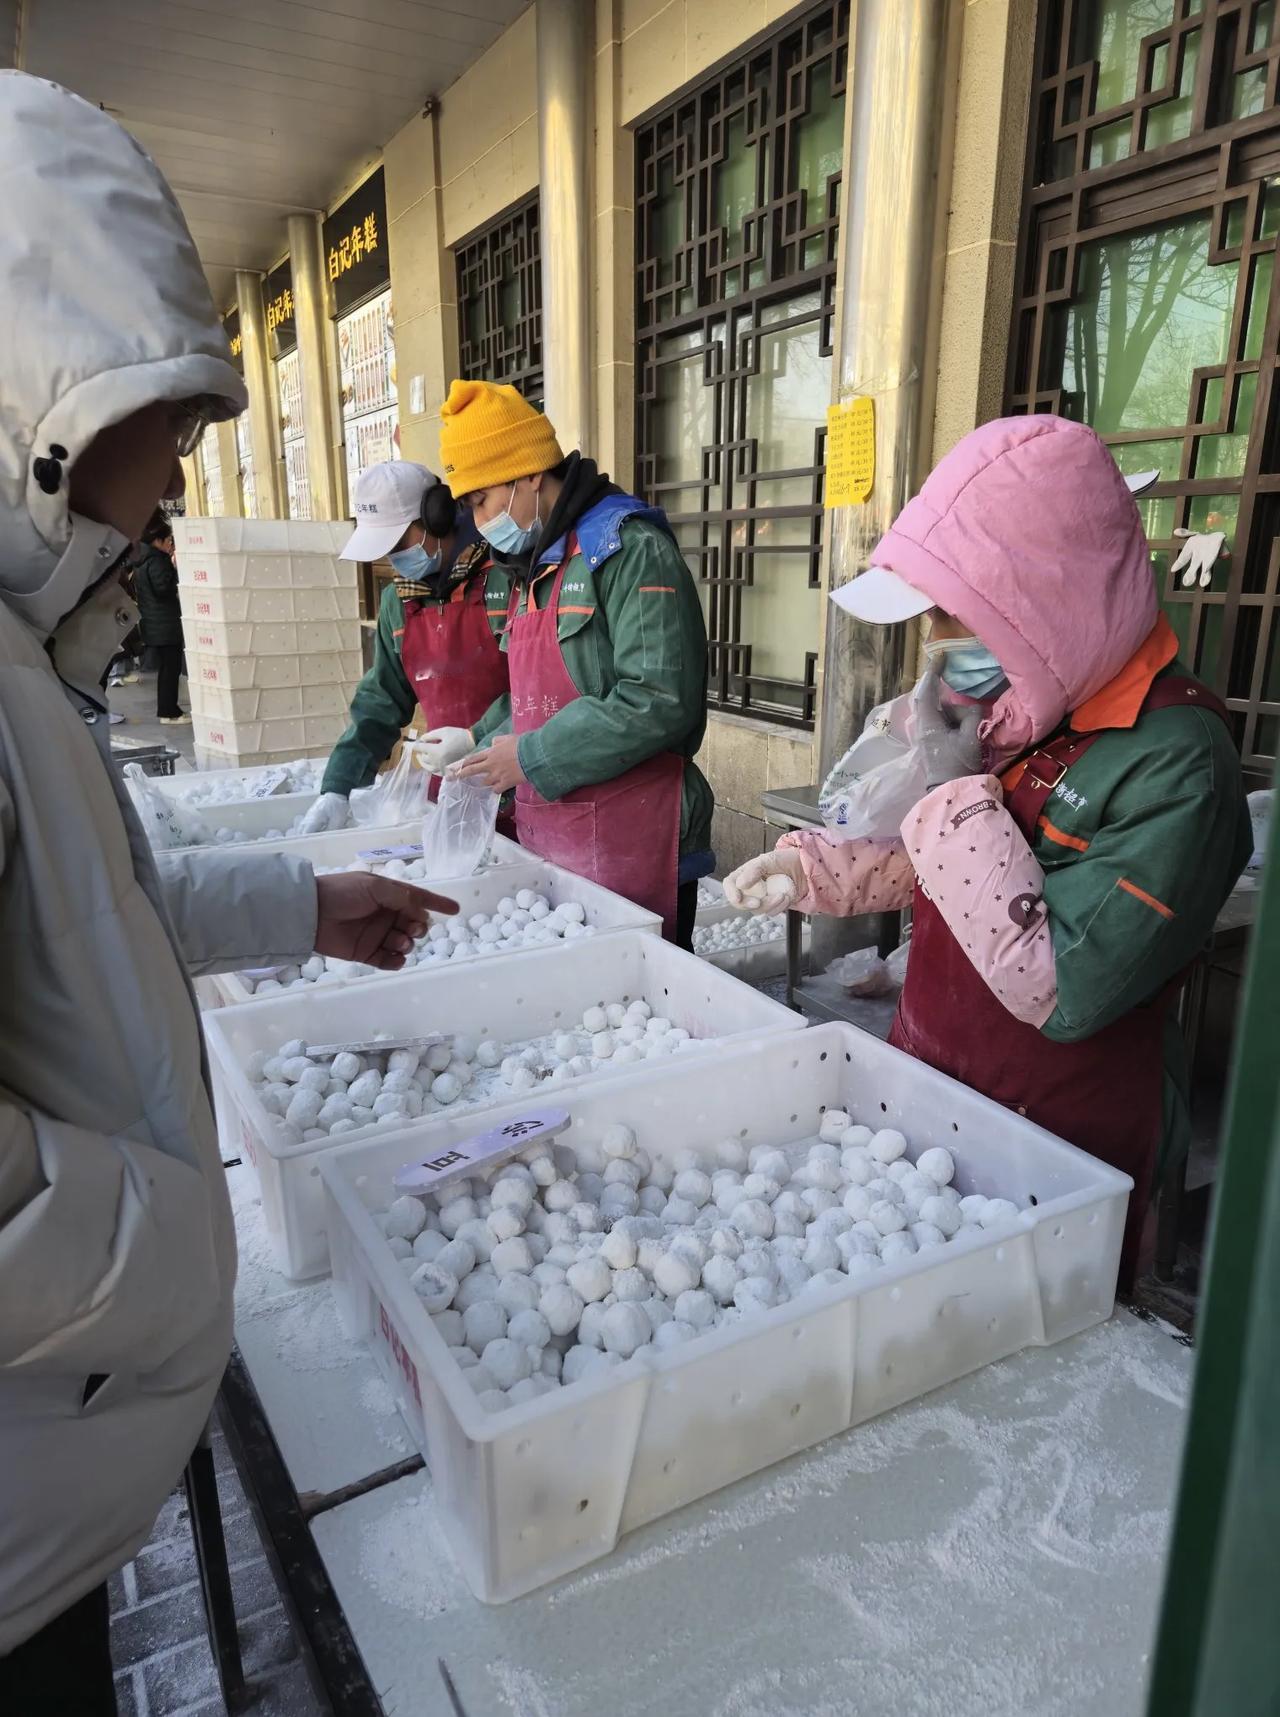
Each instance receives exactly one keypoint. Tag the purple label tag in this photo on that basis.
(382, 855)
(459, 1160)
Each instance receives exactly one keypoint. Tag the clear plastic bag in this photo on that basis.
(881, 776)
(457, 832)
(167, 822)
(399, 795)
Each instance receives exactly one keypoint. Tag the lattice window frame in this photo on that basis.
(510, 246)
(1220, 165)
(769, 90)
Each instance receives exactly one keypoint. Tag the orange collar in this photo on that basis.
(1121, 699)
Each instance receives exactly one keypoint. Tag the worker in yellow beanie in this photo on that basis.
(607, 657)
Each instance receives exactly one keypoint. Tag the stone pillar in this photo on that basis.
(263, 423)
(892, 250)
(566, 46)
(315, 348)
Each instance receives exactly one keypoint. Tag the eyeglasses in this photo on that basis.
(191, 418)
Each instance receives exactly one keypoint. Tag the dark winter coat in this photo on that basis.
(156, 593)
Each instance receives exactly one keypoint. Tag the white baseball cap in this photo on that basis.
(388, 500)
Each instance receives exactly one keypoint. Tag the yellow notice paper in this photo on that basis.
(851, 452)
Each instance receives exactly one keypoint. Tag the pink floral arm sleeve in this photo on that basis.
(976, 867)
(844, 878)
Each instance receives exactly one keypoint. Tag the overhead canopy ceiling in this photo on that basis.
(255, 109)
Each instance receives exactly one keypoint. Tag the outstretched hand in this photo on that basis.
(373, 919)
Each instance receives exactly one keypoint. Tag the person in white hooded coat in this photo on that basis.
(117, 1252)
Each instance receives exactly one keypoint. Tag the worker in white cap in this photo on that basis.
(437, 643)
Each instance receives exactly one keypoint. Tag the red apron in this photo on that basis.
(624, 833)
(1104, 1093)
(452, 659)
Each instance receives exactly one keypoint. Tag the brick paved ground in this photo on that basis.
(164, 1667)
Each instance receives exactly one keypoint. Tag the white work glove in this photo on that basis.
(443, 746)
(947, 735)
(1198, 555)
(331, 811)
(770, 883)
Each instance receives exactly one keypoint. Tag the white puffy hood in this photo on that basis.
(106, 310)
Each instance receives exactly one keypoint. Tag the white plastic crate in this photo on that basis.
(271, 605)
(231, 784)
(605, 911)
(251, 818)
(528, 1495)
(313, 539)
(510, 1000)
(336, 851)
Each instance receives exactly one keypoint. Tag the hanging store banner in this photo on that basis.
(231, 328)
(355, 246)
(282, 331)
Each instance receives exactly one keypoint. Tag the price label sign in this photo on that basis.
(851, 452)
(384, 855)
(268, 784)
(427, 1173)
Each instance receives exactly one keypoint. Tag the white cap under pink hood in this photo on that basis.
(1028, 535)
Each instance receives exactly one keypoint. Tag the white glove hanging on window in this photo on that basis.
(1200, 551)
(443, 746)
(767, 884)
(331, 811)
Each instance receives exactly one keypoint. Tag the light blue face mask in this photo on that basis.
(968, 667)
(414, 563)
(505, 535)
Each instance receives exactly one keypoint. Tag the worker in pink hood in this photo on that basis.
(1085, 815)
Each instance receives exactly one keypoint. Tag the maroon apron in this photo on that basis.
(623, 834)
(1104, 1093)
(452, 659)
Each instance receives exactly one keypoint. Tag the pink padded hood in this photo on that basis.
(1026, 533)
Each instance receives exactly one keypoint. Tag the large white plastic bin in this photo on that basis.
(606, 911)
(533, 1493)
(252, 818)
(510, 1000)
(337, 851)
(230, 785)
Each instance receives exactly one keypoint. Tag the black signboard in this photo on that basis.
(355, 246)
(281, 330)
(231, 328)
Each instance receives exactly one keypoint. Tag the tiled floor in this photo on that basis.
(164, 1667)
(137, 704)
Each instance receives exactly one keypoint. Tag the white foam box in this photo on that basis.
(236, 554)
(210, 604)
(305, 667)
(253, 741)
(510, 1000)
(528, 1495)
(237, 639)
(211, 757)
(271, 703)
(606, 912)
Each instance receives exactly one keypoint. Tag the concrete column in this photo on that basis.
(229, 464)
(898, 151)
(901, 89)
(263, 423)
(315, 343)
(566, 48)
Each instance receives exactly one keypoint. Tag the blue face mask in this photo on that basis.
(968, 667)
(505, 535)
(414, 563)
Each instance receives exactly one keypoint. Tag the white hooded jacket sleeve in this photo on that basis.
(117, 1251)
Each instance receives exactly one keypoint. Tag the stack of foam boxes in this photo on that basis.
(271, 621)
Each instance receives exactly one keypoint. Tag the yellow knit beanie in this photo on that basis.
(489, 434)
